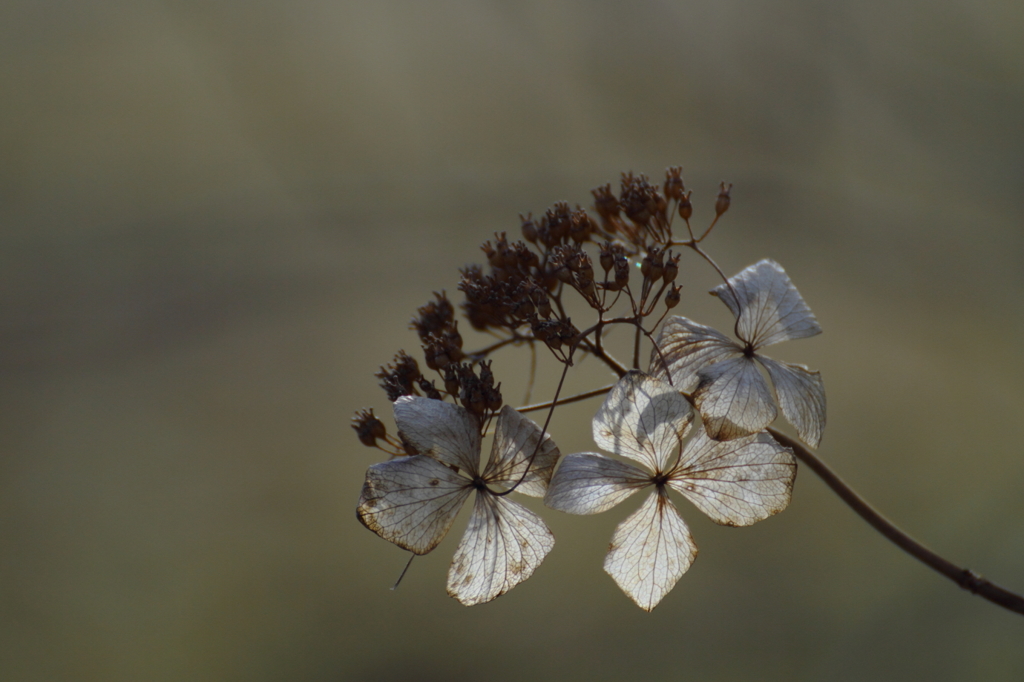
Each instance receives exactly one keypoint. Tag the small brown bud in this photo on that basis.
(671, 268)
(540, 299)
(493, 399)
(559, 222)
(548, 331)
(529, 228)
(399, 378)
(587, 288)
(621, 271)
(672, 296)
(451, 380)
(605, 203)
(453, 337)
(722, 204)
(685, 207)
(567, 333)
(368, 428)
(607, 258)
(491, 253)
(430, 390)
(674, 188)
(434, 316)
(581, 226)
(651, 265)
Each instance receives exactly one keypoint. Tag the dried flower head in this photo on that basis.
(735, 483)
(413, 501)
(729, 391)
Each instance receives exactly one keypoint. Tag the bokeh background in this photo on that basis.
(216, 220)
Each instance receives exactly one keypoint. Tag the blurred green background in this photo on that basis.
(216, 220)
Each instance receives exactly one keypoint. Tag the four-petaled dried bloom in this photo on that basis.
(736, 483)
(412, 501)
(729, 391)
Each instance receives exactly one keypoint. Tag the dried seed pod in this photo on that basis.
(529, 228)
(587, 288)
(429, 389)
(399, 378)
(433, 316)
(685, 207)
(621, 271)
(651, 266)
(607, 257)
(672, 296)
(451, 380)
(581, 225)
(605, 203)
(674, 188)
(540, 299)
(722, 204)
(671, 268)
(368, 428)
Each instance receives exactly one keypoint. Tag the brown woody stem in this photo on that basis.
(964, 577)
(565, 401)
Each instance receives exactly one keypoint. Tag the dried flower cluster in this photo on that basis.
(694, 421)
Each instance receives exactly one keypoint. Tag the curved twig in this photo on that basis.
(964, 577)
(565, 401)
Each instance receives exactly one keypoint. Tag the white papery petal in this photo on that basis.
(515, 442)
(801, 395)
(686, 348)
(588, 483)
(412, 501)
(767, 305)
(446, 432)
(643, 418)
(733, 399)
(650, 551)
(504, 543)
(736, 482)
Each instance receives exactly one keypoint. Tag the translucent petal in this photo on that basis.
(733, 399)
(650, 551)
(446, 432)
(643, 418)
(412, 501)
(736, 482)
(589, 483)
(769, 308)
(801, 395)
(515, 442)
(686, 348)
(502, 546)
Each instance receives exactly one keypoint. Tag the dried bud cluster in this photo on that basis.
(439, 332)
(368, 428)
(400, 377)
(477, 393)
(521, 293)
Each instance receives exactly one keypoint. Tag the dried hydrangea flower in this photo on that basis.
(736, 483)
(412, 501)
(731, 394)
